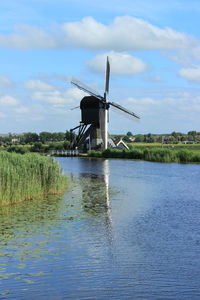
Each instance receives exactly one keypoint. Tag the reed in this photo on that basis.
(24, 177)
(152, 154)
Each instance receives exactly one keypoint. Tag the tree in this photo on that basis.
(58, 136)
(139, 138)
(69, 135)
(129, 133)
(174, 134)
(30, 137)
(45, 136)
(37, 147)
(192, 135)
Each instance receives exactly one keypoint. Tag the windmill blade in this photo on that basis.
(124, 109)
(107, 77)
(75, 107)
(87, 90)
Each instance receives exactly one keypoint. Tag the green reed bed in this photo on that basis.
(154, 154)
(24, 177)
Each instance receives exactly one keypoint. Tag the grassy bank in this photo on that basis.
(164, 146)
(24, 177)
(152, 154)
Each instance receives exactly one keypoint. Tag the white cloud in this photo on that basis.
(143, 105)
(25, 37)
(8, 101)
(37, 84)
(172, 110)
(22, 110)
(4, 81)
(152, 78)
(123, 34)
(58, 96)
(121, 63)
(196, 52)
(2, 115)
(192, 73)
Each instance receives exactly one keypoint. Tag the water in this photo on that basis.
(125, 230)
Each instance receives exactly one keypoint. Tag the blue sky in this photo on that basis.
(154, 51)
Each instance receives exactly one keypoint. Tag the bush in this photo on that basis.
(18, 149)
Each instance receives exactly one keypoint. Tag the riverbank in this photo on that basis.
(151, 154)
(24, 177)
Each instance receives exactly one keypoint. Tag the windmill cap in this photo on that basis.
(91, 102)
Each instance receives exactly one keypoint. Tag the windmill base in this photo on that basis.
(90, 139)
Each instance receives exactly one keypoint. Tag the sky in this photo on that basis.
(153, 48)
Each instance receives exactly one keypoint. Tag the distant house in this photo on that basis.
(132, 139)
(121, 145)
(188, 142)
(15, 140)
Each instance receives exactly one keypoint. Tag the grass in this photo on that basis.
(24, 177)
(179, 155)
(164, 146)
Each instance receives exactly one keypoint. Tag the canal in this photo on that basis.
(124, 230)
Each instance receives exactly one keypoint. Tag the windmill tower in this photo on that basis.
(94, 116)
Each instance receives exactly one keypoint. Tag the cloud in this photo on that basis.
(56, 95)
(123, 34)
(142, 105)
(37, 84)
(152, 78)
(26, 37)
(192, 73)
(4, 81)
(8, 101)
(2, 116)
(177, 107)
(121, 63)
(22, 110)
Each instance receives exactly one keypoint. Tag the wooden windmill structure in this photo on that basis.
(94, 116)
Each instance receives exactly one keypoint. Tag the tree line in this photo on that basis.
(47, 141)
(31, 141)
(171, 138)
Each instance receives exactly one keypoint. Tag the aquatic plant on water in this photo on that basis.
(23, 177)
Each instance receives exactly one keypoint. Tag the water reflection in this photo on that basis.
(96, 197)
(95, 193)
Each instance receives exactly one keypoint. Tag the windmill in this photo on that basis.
(94, 113)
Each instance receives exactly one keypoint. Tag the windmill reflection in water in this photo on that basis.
(96, 196)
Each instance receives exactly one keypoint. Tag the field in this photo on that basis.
(24, 177)
(164, 146)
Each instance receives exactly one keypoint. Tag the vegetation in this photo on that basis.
(33, 142)
(173, 147)
(151, 154)
(24, 177)
(171, 138)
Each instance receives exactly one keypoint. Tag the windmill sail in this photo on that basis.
(107, 76)
(104, 112)
(87, 90)
(124, 109)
